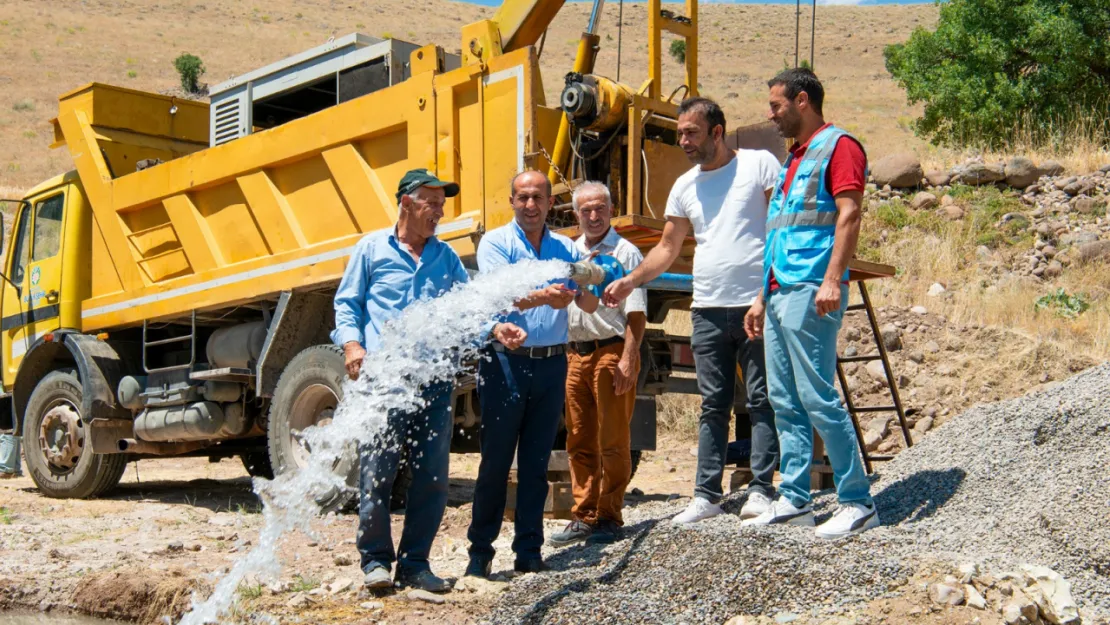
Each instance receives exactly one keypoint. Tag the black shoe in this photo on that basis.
(575, 531)
(605, 533)
(423, 580)
(480, 566)
(531, 565)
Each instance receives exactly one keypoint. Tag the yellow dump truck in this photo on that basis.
(172, 295)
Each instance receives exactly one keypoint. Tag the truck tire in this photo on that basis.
(307, 393)
(257, 464)
(61, 464)
(636, 456)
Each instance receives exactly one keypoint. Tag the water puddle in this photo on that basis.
(423, 346)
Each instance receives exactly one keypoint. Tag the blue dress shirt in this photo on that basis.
(382, 279)
(507, 245)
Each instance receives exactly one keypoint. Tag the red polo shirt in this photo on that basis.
(846, 171)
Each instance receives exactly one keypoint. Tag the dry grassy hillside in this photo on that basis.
(47, 48)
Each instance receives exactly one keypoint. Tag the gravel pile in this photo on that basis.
(1022, 481)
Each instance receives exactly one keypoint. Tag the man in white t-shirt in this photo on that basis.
(724, 198)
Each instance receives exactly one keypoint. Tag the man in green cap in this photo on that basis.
(388, 271)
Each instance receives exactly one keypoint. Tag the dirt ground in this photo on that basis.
(173, 526)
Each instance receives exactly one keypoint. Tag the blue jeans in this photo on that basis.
(801, 372)
(522, 405)
(719, 343)
(9, 454)
(428, 455)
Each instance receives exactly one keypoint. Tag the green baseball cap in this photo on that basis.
(416, 178)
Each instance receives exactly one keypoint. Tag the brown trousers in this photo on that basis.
(598, 435)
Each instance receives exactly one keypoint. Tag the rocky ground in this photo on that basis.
(1063, 215)
(1001, 490)
(1003, 485)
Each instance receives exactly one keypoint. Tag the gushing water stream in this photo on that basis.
(424, 345)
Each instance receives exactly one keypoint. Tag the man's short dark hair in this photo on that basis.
(512, 184)
(708, 109)
(798, 80)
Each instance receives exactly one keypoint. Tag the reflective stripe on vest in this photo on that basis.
(810, 217)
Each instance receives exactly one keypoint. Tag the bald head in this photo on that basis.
(531, 199)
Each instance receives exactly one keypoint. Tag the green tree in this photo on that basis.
(190, 68)
(994, 65)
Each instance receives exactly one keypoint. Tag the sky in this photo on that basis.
(804, 2)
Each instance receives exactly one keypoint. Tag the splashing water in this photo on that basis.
(423, 346)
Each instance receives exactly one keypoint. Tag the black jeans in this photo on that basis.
(426, 435)
(720, 344)
(522, 406)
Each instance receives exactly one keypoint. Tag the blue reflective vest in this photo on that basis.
(801, 220)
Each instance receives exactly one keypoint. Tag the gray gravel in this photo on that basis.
(1021, 481)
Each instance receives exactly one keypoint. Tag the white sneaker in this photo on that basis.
(698, 510)
(782, 511)
(756, 505)
(849, 520)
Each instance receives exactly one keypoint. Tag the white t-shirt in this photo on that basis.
(727, 208)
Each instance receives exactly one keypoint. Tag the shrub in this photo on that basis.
(678, 50)
(190, 68)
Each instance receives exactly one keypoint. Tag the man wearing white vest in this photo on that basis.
(812, 230)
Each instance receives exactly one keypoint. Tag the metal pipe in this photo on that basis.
(813, 35)
(797, 28)
(682, 282)
(595, 16)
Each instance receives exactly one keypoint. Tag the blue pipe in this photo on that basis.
(604, 269)
(682, 282)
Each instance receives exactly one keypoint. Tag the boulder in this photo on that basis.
(1094, 251)
(1021, 172)
(1086, 205)
(1051, 168)
(1054, 269)
(923, 201)
(1055, 600)
(936, 290)
(876, 371)
(923, 425)
(977, 172)
(892, 337)
(1074, 188)
(871, 440)
(953, 212)
(938, 178)
(946, 594)
(1078, 239)
(1062, 183)
(900, 171)
(973, 598)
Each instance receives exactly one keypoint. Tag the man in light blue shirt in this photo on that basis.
(522, 390)
(388, 271)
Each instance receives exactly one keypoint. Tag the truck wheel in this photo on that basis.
(257, 464)
(307, 393)
(637, 455)
(59, 456)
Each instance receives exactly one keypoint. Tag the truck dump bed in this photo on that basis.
(282, 208)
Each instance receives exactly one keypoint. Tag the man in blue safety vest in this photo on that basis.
(812, 229)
